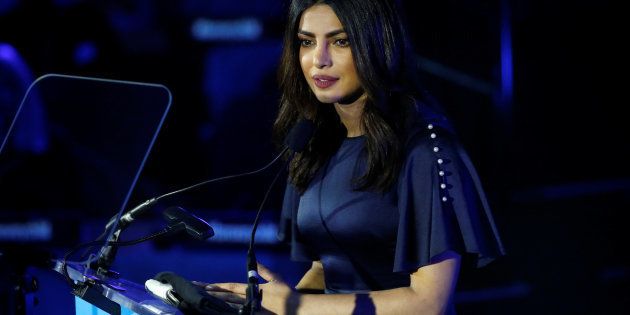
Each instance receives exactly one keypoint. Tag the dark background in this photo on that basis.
(535, 89)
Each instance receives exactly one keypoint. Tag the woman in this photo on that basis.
(383, 200)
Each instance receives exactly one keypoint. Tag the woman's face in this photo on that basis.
(325, 55)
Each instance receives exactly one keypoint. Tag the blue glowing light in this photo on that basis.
(227, 30)
(26, 232)
(507, 75)
(85, 53)
(266, 233)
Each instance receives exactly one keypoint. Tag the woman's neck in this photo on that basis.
(350, 116)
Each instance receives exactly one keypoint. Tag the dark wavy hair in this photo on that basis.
(386, 70)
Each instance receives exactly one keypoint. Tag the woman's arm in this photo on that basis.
(430, 290)
(313, 279)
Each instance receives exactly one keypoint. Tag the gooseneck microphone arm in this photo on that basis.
(132, 214)
(226, 177)
(108, 253)
(253, 294)
(296, 140)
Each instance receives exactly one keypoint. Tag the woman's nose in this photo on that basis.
(321, 58)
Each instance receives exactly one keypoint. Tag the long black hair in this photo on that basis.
(386, 70)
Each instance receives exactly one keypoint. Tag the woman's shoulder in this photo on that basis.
(431, 133)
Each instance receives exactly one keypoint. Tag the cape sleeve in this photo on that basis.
(287, 228)
(441, 204)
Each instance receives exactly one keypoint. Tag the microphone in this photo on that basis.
(299, 136)
(296, 140)
(196, 227)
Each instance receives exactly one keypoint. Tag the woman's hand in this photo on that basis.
(275, 297)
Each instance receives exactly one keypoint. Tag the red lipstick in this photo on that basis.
(324, 81)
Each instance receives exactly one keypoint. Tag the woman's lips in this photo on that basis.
(324, 81)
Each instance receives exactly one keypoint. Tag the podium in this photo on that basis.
(129, 297)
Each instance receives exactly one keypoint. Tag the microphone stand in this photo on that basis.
(253, 295)
(89, 290)
(108, 252)
(297, 139)
(107, 257)
(178, 220)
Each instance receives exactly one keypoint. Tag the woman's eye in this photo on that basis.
(342, 42)
(305, 42)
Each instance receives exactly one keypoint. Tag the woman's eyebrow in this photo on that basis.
(329, 34)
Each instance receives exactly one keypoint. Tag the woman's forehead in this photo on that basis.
(319, 18)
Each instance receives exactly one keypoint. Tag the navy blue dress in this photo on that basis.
(370, 241)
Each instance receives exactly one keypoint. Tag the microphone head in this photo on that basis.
(299, 136)
(195, 226)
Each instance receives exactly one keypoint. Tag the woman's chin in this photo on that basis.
(326, 99)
